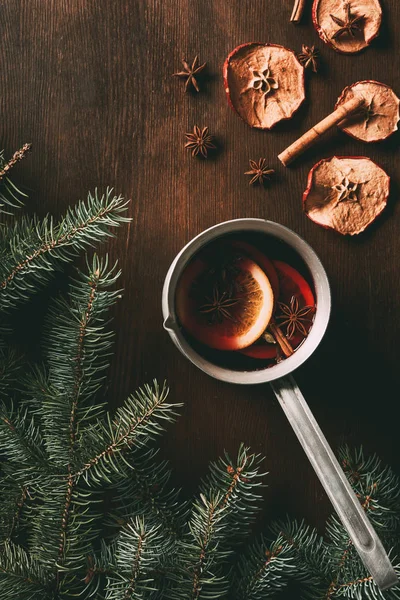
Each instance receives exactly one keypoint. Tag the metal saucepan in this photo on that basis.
(326, 466)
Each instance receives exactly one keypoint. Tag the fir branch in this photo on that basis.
(12, 500)
(34, 249)
(16, 157)
(21, 576)
(64, 529)
(78, 346)
(144, 488)
(229, 490)
(263, 570)
(10, 195)
(10, 371)
(21, 444)
(138, 551)
(139, 420)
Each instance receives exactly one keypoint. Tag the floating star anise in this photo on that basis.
(199, 141)
(370, 113)
(264, 82)
(350, 25)
(218, 306)
(259, 171)
(295, 318)
(346, 191)
(309, 57)
(190, 73)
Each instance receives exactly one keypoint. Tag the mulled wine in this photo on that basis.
(245, 301)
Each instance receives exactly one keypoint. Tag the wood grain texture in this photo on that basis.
(89, 84)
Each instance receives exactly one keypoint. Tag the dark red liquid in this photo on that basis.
(273, 249)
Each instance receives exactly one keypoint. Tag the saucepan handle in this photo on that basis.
(335, 483)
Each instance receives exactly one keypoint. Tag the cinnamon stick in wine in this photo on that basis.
(311, 136)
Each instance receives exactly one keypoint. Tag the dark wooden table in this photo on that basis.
(89, 84)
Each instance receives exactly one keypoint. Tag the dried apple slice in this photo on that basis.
(347, 27)
(346, 193)
(379, 119)
(264, 83)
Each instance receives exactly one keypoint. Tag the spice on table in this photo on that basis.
(190, 72)
(309, 57)
(312, 135)
(259, 171)
(297, 12)
(199, 141)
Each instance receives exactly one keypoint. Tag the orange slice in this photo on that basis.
(227, 310)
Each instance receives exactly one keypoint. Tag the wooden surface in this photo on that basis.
(89, 84)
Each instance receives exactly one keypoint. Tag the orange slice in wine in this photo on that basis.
(226, 308)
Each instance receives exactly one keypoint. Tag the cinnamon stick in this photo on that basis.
(298, 10)
(312, 135)
(281, 340)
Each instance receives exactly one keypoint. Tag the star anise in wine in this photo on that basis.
(370, 113)
(346, 191)
(218, 307)
(259, 171)
(309, 57)
(199, 141)
(349, 25)
(295, 318)
(190, 72)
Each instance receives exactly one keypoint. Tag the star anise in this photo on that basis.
(309, 57)
(259, 171)
(190, 73)
(349, 25)
(264, 82)
(199, 141)
(370, 113)
(294, 318)
(218, 306)
(346, 191)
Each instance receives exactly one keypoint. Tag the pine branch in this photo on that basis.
(144, 489)
(10, 371)
(78, 347)
(33, 249)
(225, 508)
(10, 195)
(21, 577)
(139, 420)
(263, 571)
(21, 444)
(138, 551)
(64, 528)
(12, 500)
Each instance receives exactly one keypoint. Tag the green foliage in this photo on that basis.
(221, 515)
(328, 567)
(32, 249)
